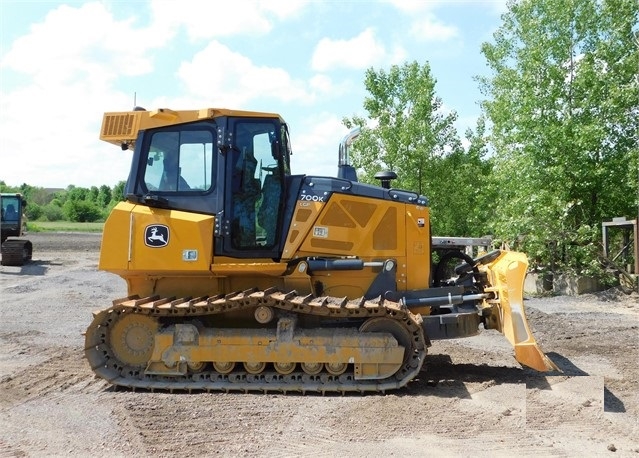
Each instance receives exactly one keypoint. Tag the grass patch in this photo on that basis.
(64, 226)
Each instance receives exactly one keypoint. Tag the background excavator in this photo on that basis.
(13, 223)
(244, 276)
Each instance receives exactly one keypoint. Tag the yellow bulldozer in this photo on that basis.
(242, 276)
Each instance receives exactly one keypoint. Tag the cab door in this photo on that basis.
(254, 188)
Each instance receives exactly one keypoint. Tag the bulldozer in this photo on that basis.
(243, 276)
(13, 223)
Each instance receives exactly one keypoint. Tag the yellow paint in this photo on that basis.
(121, 128)
(114, 251)
(371, 230)
(304, 218)
(507, 274)
(418, 247)
(354, 226)
(124, 251)
(375, 354)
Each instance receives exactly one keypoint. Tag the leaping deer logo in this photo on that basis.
(156, 236)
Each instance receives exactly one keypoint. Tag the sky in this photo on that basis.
(64, 64)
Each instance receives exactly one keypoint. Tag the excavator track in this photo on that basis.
(16, 252)
(131, 327)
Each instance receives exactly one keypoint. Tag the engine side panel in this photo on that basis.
(367, 228)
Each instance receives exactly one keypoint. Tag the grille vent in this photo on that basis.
(119, 126)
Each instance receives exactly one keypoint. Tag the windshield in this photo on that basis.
(10, 208)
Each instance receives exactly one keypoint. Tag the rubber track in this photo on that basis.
(106, 366)
(13, 252)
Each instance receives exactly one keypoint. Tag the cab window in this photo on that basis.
(180, 161)
(10, 209)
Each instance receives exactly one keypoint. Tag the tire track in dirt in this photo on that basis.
(63, 370)
(39, 409)
(208, 422)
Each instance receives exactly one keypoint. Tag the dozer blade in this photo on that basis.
(506, 275)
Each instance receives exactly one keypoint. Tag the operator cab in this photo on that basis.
(232, 167)
(10, 208)
(12, 223)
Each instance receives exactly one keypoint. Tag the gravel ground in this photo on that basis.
(471, 399)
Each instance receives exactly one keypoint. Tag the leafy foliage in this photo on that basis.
(408, 132)
(72, 204)
(563, 101)
(82, 211)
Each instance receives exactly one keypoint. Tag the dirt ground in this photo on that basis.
(473, 399)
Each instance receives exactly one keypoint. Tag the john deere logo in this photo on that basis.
(156, 236)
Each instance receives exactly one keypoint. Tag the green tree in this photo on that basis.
(92, 194)
(117, 195)
(81, 211)
(104, 196)
(53, 212)
(563, 101)
(76, 194)
(410, 129)
(40, 196)
(408, 132)
(70, 203)
(471, 185)
(33, 211)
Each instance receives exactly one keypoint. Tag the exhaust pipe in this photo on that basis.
(344, 168)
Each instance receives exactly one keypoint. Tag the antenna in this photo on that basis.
(135, 103)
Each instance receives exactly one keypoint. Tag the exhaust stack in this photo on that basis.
(344, 168)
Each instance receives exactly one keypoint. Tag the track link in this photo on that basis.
(101, 357)
(16, 252)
